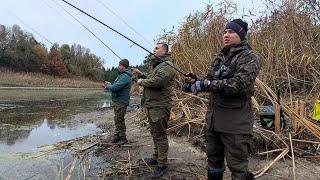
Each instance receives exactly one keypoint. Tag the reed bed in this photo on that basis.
(288, 40)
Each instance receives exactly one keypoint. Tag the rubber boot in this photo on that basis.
(115, 139)
(151, 161)
(122, 141)
(159, 171)
(250, 176)
(215, 174)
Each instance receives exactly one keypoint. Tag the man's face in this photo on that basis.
(230, 37)
(121, 68)
(159, 50)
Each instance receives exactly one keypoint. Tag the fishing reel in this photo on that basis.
(105, 84)
(191, 76)
(134, 78)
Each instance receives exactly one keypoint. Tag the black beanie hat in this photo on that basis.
(239, 26)
(124, 62)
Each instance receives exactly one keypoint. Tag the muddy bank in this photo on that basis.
(186, 161)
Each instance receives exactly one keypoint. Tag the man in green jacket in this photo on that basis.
(229, 117)
(156, 101)
(120, 90)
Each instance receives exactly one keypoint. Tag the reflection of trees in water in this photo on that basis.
(16, 126)
(19, 122)
(51, 123)
(9, 134)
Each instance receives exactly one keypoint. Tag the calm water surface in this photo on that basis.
(30, 118)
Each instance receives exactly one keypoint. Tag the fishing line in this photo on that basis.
(123, 36)
(124, 22)
(88, 30)
(32, 29)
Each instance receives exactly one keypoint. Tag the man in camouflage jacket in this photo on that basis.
(156, 101)
(229, 117)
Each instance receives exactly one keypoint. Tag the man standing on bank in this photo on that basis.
(156, 101)
(120, 90)
(229, 117)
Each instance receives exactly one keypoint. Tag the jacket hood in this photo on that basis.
(128, 71)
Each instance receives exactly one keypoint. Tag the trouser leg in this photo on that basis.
(120, 110)
(236, 152)
(215, 155)
(158, 120)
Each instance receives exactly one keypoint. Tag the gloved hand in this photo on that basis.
(195, 88)
(199, 86)
(139, 81)
(186, 87)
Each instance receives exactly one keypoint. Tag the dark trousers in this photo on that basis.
(234, 147)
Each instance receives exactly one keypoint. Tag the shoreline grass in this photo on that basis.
(22, 79)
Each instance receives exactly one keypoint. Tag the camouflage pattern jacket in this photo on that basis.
(158, 86)
(232, 75)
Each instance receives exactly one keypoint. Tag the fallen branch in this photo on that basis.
(71, 168)
(191, 95)
(272, 151)
(268, 166)
(293, 162)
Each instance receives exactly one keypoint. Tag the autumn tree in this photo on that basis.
(19, 51)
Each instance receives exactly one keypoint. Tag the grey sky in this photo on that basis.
(148, 17)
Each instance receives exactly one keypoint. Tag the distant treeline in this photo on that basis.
(112, 73)
(20, 52)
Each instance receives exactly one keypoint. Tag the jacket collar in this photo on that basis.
(232, 49)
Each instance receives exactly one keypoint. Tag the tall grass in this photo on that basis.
(290, 50)
(288, 40)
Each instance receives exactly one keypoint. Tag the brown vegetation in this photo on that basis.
(14, 79)
(288, 41)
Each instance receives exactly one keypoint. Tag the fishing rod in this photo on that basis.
(88, 30)
(175, 68)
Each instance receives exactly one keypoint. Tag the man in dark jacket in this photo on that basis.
(156, 101)
(120, 90)
(229, 118)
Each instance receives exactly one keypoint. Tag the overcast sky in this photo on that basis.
(148, 17)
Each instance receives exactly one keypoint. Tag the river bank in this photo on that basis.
(49, 117)
(187, 160)
(21, 79)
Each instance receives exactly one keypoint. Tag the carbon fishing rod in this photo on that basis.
(175, 68)
(88, 30)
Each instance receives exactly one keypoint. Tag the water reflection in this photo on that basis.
(24, 140)
(106, 105)
(27, 123)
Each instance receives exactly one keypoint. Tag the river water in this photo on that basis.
(30, 118)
